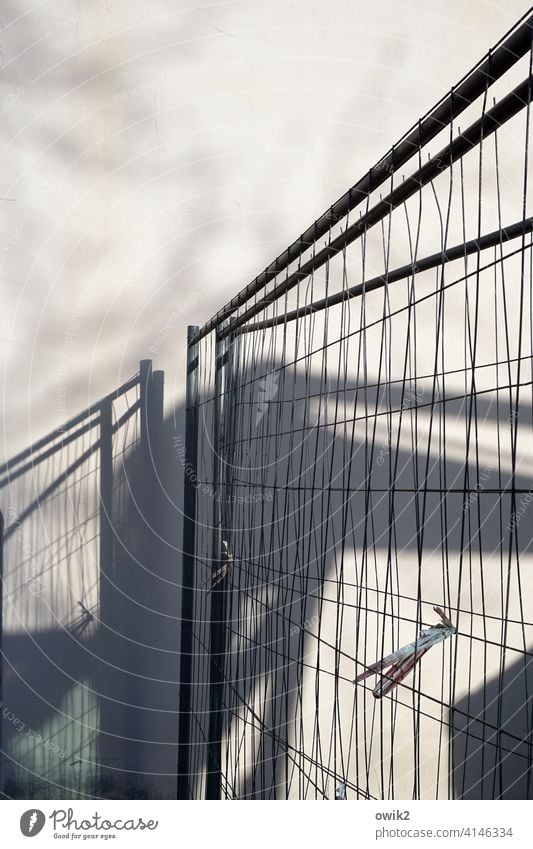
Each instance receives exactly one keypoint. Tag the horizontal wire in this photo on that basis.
(378, 413)
(380, 321)
(510, 490)
(368, 588)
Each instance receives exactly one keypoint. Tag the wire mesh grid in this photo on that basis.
(53, 597)
(364, 454)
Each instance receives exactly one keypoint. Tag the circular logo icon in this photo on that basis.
(32, 822)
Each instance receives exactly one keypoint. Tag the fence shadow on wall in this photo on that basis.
(322, 575)
(89, 642)
(91, 606)
(492, 736)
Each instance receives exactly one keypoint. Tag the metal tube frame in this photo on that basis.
(509, 50)
(188, 570)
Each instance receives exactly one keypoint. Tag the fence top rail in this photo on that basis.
(62, 431)
(499, 59)
(489, 240)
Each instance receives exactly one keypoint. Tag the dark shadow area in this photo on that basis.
(90, 639)
(489, 761)
(330, 520)
(103, 684)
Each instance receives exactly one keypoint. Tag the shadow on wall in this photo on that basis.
(282, 630)
(101, 684)
(90, 642)
(489, 762)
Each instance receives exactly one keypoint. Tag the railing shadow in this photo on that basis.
(491, 729)
(88, 642)
(90, 639)
(327, 530)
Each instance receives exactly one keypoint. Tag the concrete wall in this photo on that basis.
(155, 158)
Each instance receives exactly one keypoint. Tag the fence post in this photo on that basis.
(156, 417)
(188, 561)
(107, 591)
(232, 367)
(157, 508)
(151, 389)
(1, 652)
(217, 641)
(226, 353)
(145, 394)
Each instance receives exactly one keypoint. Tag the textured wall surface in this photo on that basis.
(156, 156)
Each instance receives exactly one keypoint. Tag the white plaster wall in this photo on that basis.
(157, 155)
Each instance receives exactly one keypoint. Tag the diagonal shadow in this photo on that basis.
(114, 678)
